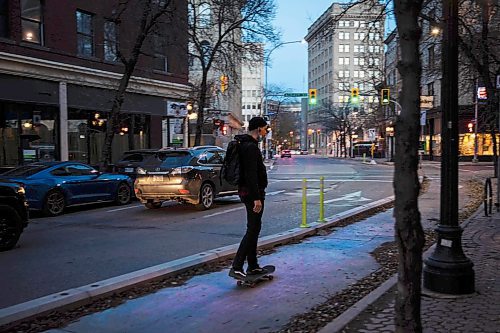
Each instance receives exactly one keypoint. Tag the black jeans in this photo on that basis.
(248, 245)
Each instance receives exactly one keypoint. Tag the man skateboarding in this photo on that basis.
(251, 189)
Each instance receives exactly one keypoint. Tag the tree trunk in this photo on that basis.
(201, 106)
(408, 229)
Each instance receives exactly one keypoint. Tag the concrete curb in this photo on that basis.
(75, 297)
(347, 316)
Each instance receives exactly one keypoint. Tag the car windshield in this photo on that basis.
(175, 159)
(26, 170)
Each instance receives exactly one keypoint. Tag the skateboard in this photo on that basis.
(252, 280)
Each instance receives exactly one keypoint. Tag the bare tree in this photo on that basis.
(408, 229)
(151, 14)
(224, 33)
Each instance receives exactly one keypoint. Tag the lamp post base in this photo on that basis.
(448, 270)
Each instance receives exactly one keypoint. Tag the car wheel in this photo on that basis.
(153, 205)
(54, 203)
(123, 194)
(11, 227)
(206, 197)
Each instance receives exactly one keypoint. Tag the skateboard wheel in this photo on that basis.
(239, 283)
(271, 277)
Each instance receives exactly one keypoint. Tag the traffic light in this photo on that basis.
(385, 98)
(224, 83)
(354, 95)
(313, 96)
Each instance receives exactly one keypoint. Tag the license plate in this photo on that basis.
(129, 170)
(157, 178)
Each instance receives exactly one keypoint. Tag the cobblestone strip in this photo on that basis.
(479, 312)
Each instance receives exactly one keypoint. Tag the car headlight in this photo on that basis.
(181, 170)
(140, 171)
(21, 190)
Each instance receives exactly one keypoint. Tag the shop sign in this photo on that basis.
(176, 109)
(426, 102)
(423, 117)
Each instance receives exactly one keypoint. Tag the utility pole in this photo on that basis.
(448, 270)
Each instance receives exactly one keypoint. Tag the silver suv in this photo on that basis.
(187, 175)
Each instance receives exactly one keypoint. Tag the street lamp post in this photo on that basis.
(448, 270)
(265, 84)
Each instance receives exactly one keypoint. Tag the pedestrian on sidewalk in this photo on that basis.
(251, 189)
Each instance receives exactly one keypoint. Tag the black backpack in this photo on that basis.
(231, 167)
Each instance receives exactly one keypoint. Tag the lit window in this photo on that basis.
(31, 21)
(84, 31)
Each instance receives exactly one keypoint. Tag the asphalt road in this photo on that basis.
(93, 243)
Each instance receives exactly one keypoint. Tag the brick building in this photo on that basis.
(59, 68)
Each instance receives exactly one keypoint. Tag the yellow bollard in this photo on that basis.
(321, 199)
(304, 204)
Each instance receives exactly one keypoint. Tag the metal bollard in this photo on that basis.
(304, 204)
(321, 199)
(364, 157)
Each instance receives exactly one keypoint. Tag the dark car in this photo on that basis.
(286, 153)
(133, 159)
(187, 175)
(53, 186)
(13, 214)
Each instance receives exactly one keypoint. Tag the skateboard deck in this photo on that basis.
(252, 280)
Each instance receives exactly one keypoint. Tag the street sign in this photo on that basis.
(372, 134)
(426, 102)
(423, 117)
(482, 93)
(295, 95)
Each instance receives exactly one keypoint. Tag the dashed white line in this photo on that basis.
(224, 212)
(117, 209)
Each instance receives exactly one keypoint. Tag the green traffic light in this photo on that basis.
(312, 101)
(355, 100)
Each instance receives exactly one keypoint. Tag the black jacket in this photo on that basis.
(253, 176)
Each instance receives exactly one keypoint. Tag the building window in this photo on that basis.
(4, 18)
(85, 34)
(160, 59)
(31, 21)
(343, 61)
(431, 57)
(343, 35)
(343, 48)
(204, 15)
(430, 89)
(110, 41)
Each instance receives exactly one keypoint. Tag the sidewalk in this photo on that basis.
(308, 273)
(479, 312)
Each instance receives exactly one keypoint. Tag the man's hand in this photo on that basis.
(257, 206)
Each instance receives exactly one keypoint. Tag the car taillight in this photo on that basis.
(181, 170)
(183, 191)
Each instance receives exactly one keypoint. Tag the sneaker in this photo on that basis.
(237, 274)
(255, 271)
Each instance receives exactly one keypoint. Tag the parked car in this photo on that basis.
(187, 175)
(304, 152)
(133, 159)
(286, 153)
(13, 214)
(53, 186)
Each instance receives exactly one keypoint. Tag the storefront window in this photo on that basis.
(484, 144)
(87, 133)
(27, 134)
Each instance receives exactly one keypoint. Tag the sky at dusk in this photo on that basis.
(288, 64)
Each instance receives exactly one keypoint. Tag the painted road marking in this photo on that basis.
(224, 212)
(334, 180)
(117, 209)
(355, 196)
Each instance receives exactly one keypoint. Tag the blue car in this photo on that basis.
(53, 186)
